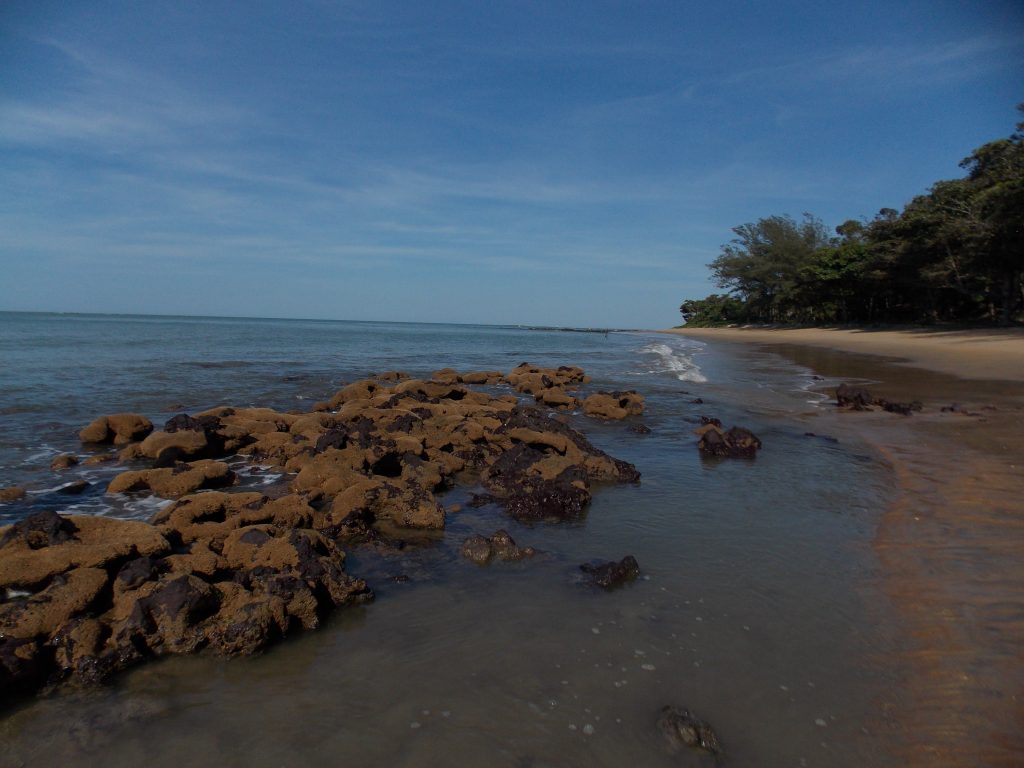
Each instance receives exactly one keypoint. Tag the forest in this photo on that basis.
(953, 254)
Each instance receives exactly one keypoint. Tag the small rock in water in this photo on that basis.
(681, 728)
(820, 722)
(12, 493)
(73, 488)
(63, 461)
(588, 729)
(609, 575)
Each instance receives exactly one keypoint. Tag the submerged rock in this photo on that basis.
(737, 442)
(611, 574)
(64, 461)
(681, 728)
(12, 493)
(501, 546)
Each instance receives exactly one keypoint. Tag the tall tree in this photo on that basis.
(763, 263)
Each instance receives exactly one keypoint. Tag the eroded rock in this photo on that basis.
(172, 482)
(614, 405)
(117, 428)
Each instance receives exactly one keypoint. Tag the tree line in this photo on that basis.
(955, 253)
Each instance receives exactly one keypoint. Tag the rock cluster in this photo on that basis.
(88, 596)
(83, 597)
(737, 442)
(859, 399)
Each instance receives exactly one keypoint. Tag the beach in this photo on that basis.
(951, 542)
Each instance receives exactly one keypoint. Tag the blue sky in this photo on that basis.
(568, 163)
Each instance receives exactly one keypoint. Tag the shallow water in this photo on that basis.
(759, 606)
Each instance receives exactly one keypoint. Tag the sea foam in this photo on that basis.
(675, 359)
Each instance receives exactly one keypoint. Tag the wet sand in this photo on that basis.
(952, 543)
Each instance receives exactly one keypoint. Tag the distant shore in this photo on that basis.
(996, 353)
(951, 544)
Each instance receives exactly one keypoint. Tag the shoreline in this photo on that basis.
(951, 543)
(987, 354)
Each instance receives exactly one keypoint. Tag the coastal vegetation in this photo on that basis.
(953, 254)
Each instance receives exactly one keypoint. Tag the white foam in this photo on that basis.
(676, 360)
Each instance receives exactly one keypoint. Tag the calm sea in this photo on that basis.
(758, 609)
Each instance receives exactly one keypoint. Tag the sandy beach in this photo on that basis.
(970, 354)
(951, 545)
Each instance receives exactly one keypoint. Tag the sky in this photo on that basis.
(553, 163)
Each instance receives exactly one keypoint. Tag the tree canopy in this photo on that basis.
(955, 253)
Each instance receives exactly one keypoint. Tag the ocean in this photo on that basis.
(758, 607)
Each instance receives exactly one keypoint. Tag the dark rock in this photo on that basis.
(957, 408)
(697, 401)
(682, 729)
(23, 667)
(564, 497)
(136, 572)
(74, 488)
(611, 574)
(40, 529)
(710, 420)
(904, 409)
(332, 438)
(738, 442)
(501, 545)
(854, 398)
(640, 429)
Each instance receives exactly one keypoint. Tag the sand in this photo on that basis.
(973, 354)
(951, 544)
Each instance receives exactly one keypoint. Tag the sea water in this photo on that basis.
(758, 607)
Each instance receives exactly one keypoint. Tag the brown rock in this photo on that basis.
(170, 483)
(43, 613)
(482, 377)
(25, 561)
(101, 458)
(118, 428)
(614, 405)
(11, 493)
(64, 461)
(211, 516)
(184, 444)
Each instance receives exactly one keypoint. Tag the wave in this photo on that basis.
(676, 360)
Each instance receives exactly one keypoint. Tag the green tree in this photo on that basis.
(762, 265)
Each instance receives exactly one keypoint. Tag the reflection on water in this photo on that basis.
(758, 607)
